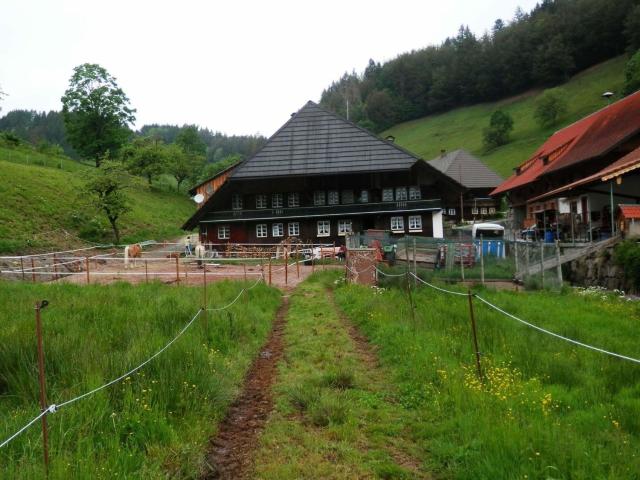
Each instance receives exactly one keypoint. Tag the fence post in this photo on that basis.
(55, 268)
(33, 272)
(205, 303)
(313, 265)
(43, 387)
(22, 266)
(515, 249)
(322, 256)
(86, 267)
(286, 265)
(475, 335)
(297, 262)
(177, 271)
(146, 272)
(269, 270)
(482, 259)
(415, 266)
(542, 263)
(244, 270)
(558, 260)
(461, 261)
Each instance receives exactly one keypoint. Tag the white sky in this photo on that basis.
(238, 67)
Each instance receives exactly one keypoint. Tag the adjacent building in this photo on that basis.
(318, 178)
(572, 185)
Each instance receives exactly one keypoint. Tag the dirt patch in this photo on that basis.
(231, 450)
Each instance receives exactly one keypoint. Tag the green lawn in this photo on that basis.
(547, 409)
(42, 207)
(462, 127)
(155, 423)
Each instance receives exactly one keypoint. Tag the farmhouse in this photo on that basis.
(318, 178)
(572, 185)
(477, 179)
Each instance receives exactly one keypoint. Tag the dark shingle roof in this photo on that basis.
(466, 169)
(317, 142)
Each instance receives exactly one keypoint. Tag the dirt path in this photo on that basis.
(231, 451)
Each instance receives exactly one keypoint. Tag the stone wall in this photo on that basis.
(598, 269)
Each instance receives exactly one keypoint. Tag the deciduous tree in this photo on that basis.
(550, 107)
(497, 133)
(96, 112)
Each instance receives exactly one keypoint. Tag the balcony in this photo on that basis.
(324, 211)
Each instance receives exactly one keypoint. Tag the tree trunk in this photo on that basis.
(116, 232)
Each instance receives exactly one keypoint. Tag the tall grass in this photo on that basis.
(547, 409)
(155, 423)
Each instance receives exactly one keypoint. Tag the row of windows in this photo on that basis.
(475, 211)
(332, 197)
(415, 224)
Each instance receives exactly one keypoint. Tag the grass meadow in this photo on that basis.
(155, 423)
(546, 410)
(462, 127)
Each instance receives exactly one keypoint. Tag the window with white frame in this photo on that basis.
(492, 210)
(397, 224)
(387, 194)
(483, 211)
(277, 230)
(318, 198)
(236, 201)
(474, 211)
(261, 201)
(364, 196)
(344, 227)
(224, 232)
(415, 223)
(414, 193)
(261, 230)
(452, 211)
(324, 228)
(401, 193)
(294, 229)
(276, 200)
(347, 196)
(294, 199)
(334, 197)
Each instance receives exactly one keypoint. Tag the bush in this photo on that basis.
(550, 107)
(627, 255)
(632, 74)
(497, 133)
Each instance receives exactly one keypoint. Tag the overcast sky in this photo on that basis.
(236, 67)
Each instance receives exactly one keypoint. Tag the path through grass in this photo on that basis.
(336, 414)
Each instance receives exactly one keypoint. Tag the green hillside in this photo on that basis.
(462, 127)
(42, 206)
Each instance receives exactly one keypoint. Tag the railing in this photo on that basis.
(325, 210)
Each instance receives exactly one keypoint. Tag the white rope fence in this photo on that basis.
(53, 408)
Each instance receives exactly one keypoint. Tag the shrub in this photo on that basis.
(550, 107)
(627, 255)
(327, 410)
(340, 379)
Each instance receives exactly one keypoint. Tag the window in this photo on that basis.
(277, 230)
(483, 211)
(347, 196)
(364, 196)
(224, 232)
(344, 227)
(414, 193)
(261, 201)
(334, 199)
(261, 230)
(387, 194)
(324, 228)
(276, 200)
(294, 200)
(415, 223)
(236, 201)
(474, 211)
(452, 211)
(401, 193)
(492, 210)
(318, 198)
(294, 229)
(397, 224)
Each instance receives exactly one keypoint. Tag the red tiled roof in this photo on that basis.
(630, 211)
(589, 137)
(630, 161)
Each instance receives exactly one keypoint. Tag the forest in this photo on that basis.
(538, 49)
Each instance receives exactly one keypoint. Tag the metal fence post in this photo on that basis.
(33, 271)
(559, 271)
(475, 335)
(177, 271)
(22, 266)
(415, 266)
(43, 387)
(269, 270)
(482, 258)
(286, 266)
(86, 267)
(542, 263)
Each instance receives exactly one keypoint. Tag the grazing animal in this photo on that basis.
(199, 251)
(132, 251)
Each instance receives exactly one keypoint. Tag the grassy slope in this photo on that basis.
(462, 127)
(154, 424)
(548, 409)
(41, 206)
